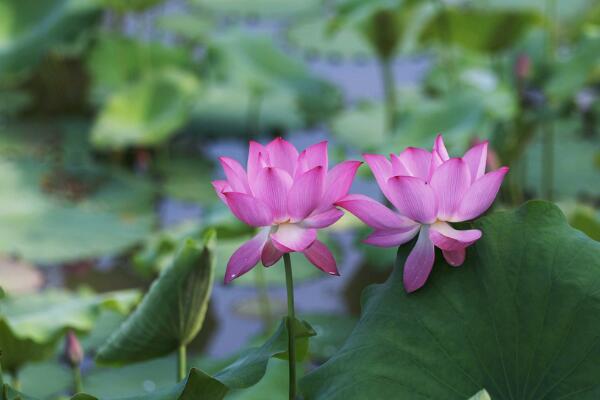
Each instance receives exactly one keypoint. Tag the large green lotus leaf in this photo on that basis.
(29, 27)
(259, 8)
(187, 179)
(172, 312)
(32, 325)
(362, 127)
(136, 59)
(147, 112)
(46, 379)
(191, 26)
(520, 318)
(479, 29)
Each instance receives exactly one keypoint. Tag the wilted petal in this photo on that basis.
(246, 257)
(221, 187)
(323, 219)
(270, 255)
(392, 237)
(414, 198)
(313, 156)
(292, 237)
(338, 182)
(450, 181)
(249, 209)
(476, 158)
(419, 262)
(416, 161)
(455, 258)
(381, 168)
(480, 196)
(305, 194)
(272, 186)
(320, 256)
(447, 238)
(373, 213)
(236, 175)
(283, 154)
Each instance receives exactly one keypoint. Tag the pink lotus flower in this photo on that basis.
(429, 190)
(289, 196)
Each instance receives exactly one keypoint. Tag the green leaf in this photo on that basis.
(259, 8)
(123, 6)
(147, 112)
(173, 310)
(520, 318)
(32, 325)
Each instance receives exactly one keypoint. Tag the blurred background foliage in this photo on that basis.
(112, 114)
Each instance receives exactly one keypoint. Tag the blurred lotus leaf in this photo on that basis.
(123, 6)
(362, 127)
(28, 28)
(172, 312)
(191, 26)
(259, 8)
(147, 112)
(32, 325)
(188, 179)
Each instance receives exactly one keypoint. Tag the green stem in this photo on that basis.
(289, 280)
(263, 298)
(389, 90)
(181, 363)
(77, 382)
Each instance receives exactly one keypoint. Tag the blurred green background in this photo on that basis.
(113, 112)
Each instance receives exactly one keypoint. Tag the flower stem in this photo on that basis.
(389, 90)
(289, 280)
(77, 382)
(181, 363)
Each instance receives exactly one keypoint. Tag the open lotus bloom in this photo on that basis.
(289, 196)
(429, 190)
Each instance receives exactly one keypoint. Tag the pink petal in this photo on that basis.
(450, 181)
(480, 195)
(323, 219)
(476, 158)
(246, 256)
(270, 255)
(419, 262)
(397, 167)
(254, 166)
(305, 194)
(414, 198)
(381, 168)
(272, 186)
(283, 154)
(292, 237)
(320, 256)
(248, 209)
(313, 156)
(447, 238)
(416, 161)
(391, 238)
(439, 148)
(373, 213)
(221, 187)
(454, 258)
(338, 182)
(236, 175)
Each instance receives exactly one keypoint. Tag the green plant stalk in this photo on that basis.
(289, 280)
(77, 381)
(389, 90)
(263, 298)
(181, 363)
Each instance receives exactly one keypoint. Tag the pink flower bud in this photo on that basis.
(73, 349)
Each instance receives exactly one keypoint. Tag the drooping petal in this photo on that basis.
(419, 262)
(246, 256)
(455, 258)
(305, 194)
(480, 195)
(416, 161)
(414, 198)
(283, 154)
(320, 256)
(373, 213)
(476, 158)
(270, 255)
(450, 181)
(381, 168)
(313, 156)
(272, 186)
(248, 209)
(221, 187)
(338, 182)
(292, 237)
(236, 175)
(323, 219)
(392, 237)
(447, 238)
(256, 152)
